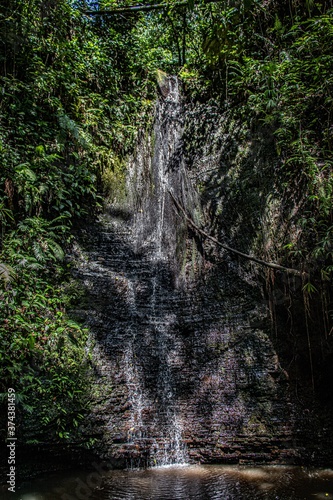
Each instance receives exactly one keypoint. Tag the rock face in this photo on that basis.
(185, 369)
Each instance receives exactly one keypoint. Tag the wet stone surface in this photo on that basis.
(185, 370)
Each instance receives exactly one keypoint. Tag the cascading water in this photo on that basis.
(134, 320)
(167, 448)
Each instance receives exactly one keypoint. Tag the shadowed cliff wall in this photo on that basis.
(189, 365)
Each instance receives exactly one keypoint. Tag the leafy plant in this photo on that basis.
(6, 273)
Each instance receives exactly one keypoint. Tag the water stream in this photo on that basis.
(168, 448)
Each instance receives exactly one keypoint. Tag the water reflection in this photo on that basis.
(184, 483)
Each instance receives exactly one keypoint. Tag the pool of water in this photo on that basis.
(182, 483)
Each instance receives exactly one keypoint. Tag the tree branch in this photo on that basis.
(139, 8)
(233, 250)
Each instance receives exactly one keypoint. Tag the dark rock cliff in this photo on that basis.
(187, 365)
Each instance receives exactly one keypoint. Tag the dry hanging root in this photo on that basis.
(233, 250)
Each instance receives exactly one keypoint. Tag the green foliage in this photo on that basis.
(42, 351)
(276, 65)
(70, 90)
(38, 239)
(309, 288)
(113, 182)
(42, 355)
(6, 273)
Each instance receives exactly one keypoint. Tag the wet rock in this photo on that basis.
(184, 360)
(120, 438)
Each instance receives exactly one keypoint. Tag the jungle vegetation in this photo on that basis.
(74, 89)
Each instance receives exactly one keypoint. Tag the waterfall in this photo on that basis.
(182, 372)
(154, 229)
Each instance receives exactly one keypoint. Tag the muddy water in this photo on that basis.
(184, 483)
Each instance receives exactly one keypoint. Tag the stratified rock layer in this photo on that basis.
(185, 369)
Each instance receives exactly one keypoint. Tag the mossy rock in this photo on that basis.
(163, 82)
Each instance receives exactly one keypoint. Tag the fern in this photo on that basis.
(39, 253)
(7, 273)
(27, 262)
(56, 250)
